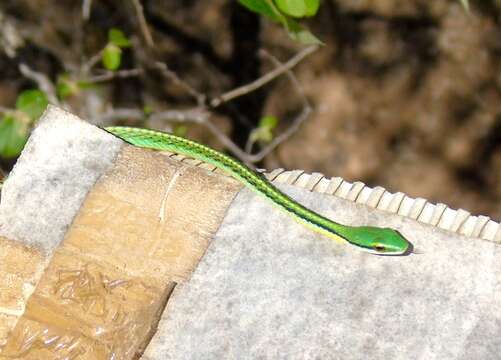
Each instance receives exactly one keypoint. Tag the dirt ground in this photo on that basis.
(406, 95)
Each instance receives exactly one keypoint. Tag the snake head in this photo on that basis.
(380, 241)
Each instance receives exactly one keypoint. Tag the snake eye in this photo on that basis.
(379, 247)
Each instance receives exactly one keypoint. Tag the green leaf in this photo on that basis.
(312, 7)
(65, 87)
(269, 121)
(303, 36)
(112, 57)
(32, 102)
(63, 90)
(262, 7)
(13, 136)
(465, 4)
(300, 34)
(262, 134)
(295, 31)
(118, 38)
(295, 8)
(86, 85)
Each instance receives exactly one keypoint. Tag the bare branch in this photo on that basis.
(109, 75)
(148, 62)
(230, 145)
(250, 143)
(42, 81)
(86, 6)
(118, 114)
(10, 37)
(86, 68)
(143, 24)
(307, 109)
(265, 78)
(202, 116)
(4, 109)
(171, 75)
(196, 115)
(283, 136)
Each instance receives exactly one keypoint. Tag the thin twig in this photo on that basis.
(198, 115)
(118, 114)
(250, 143)
(145, 58)
(87, 67)
(307, 109)
(143, 24)
(171, 75)
(4, 110)
(11, 38)
(109, 75)
(230, 145)
(296, 124)
(42, 81)
(264, 79)
(195, 115)
(86, 6)
(202, 116)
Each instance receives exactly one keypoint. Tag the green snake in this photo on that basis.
(381, 241)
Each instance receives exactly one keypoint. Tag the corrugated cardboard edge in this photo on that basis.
(459, 221)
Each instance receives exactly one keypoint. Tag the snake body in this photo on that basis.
(383, 241)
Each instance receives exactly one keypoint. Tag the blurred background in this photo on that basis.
(402, 94)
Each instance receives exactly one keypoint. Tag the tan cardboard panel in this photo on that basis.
(145, 224)
(7, 323)
(35, 341)
(20, 268)
(151, 216)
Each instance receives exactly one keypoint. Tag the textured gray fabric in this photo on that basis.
(61, 161)
(268, 288)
